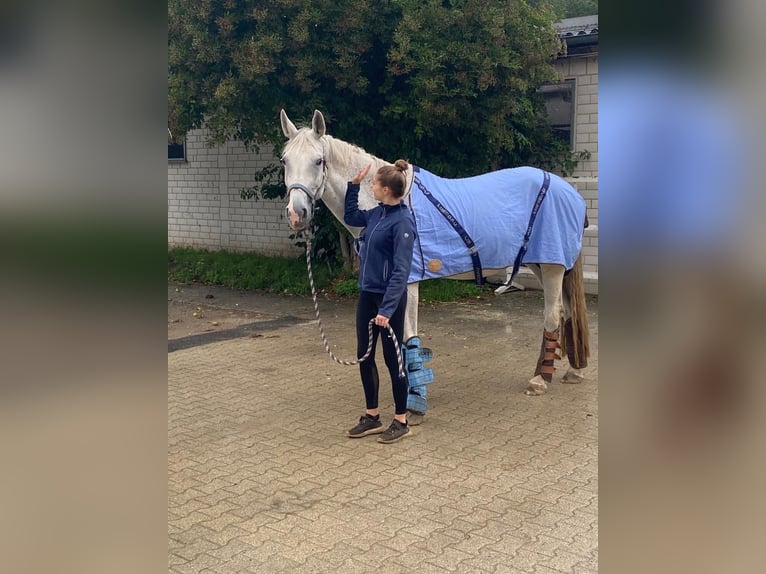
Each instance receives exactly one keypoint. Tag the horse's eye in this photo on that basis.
(319, 161)
(282, 160)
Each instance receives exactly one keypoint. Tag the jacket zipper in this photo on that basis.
(369, 239)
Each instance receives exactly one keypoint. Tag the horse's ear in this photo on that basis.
(317, 123)
(288, 127)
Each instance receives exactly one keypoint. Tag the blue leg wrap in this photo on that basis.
(417, 403)
(415, 355)
(417, 375)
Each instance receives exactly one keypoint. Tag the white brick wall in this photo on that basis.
(584, 71)
(205, 209)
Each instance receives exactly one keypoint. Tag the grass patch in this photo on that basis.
(253, 272)
(346, 287)
(248, 271)
(449, 290)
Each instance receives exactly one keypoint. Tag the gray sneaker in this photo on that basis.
(367, 425)
(395, 432)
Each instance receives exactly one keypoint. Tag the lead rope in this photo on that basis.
(369, 325)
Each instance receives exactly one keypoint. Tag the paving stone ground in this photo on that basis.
(262, 479)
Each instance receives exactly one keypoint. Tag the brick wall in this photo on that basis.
(584, 71)
(204, 205)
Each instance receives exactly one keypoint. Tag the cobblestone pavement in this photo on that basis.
(261, 477)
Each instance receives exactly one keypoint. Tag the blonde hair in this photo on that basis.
(394, 177)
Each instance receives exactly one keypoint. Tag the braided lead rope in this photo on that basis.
(369, 325)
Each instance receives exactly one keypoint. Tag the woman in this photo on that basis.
(385, 252)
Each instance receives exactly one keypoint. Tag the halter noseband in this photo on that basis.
(305, 190)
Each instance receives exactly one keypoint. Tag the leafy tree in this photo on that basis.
(234, 63)
(464, 77)
(580, 8)
(448, 84)
(571, 8)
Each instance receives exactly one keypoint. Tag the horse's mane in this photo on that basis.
(342, 152)
(336, 151)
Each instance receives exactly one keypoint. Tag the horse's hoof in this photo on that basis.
(536, 387)
(571, 378)
(414, 419)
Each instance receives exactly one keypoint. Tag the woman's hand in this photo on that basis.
(381, 321)
(362, 172)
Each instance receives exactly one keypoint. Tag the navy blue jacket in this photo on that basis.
(385, 247)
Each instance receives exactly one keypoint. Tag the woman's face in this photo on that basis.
(378, 192)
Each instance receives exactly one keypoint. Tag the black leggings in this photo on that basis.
(367, 309)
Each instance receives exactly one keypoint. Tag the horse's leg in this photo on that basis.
(411, 316)
(415, 357)
(551, 278)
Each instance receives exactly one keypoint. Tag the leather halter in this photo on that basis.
(313, 196)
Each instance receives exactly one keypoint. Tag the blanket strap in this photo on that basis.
(475, 259)
(535, 209)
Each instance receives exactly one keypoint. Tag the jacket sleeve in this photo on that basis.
(404, 240)
(352, 215)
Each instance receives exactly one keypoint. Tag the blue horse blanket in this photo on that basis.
(494, 209)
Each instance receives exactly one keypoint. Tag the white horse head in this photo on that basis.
(305, 168)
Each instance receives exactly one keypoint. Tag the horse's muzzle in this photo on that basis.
(299, 225)
(296, 221)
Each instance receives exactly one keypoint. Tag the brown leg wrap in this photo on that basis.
(548, 354)
(569, 343)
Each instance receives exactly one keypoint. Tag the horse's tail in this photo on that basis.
(576, 338)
